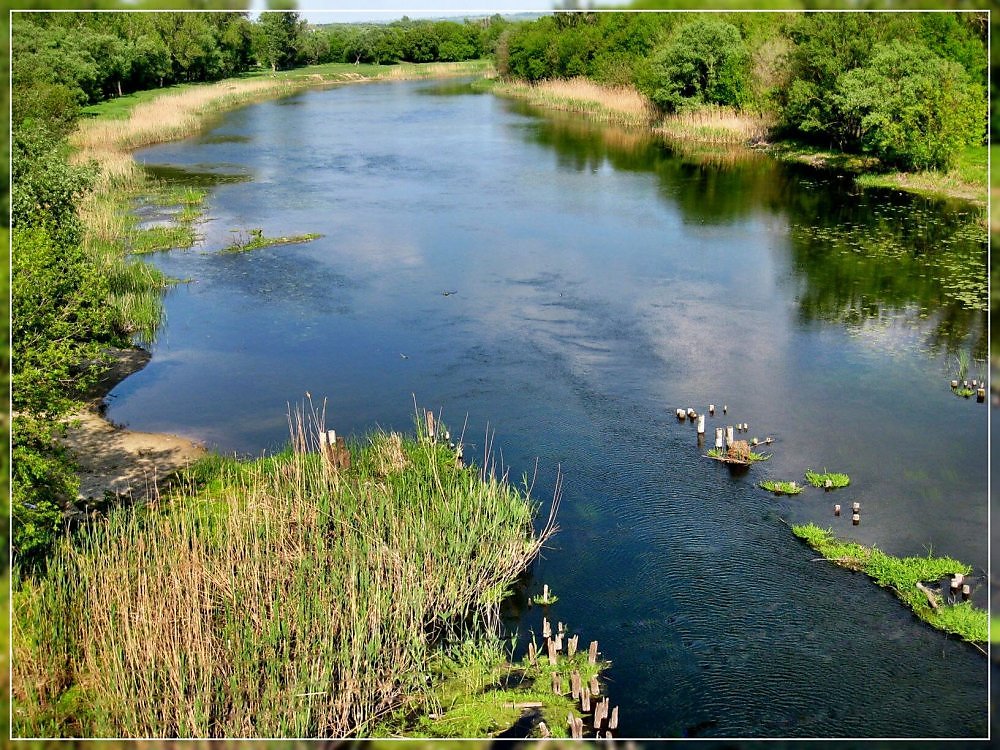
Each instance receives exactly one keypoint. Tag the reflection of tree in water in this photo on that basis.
(858, 257)
(869, 257)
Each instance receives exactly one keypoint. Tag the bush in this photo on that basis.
(704, 62)
(912, 108)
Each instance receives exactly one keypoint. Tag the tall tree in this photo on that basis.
(278, 38)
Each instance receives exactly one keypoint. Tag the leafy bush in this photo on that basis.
(912, 108)
(704, 62)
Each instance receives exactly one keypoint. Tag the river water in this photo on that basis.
(597, 280)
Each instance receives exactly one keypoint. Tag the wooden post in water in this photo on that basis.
(585, 700)
(553, 656)
(711, 409)
(571, 645)
(532, 653)
(545, 593)
(836, 510)
(856, 507)
(701, 424)
(956, 581)
(724, 408)
(430, 425)
(856, 519)
(981, 395)
(558, 642)
(595, 686)
(729, 437)
(613, 722)
(557, 683)
(966, 592)
(718, 438)
(592, 654)
(574, 684)
(546, 628)
(681, 414)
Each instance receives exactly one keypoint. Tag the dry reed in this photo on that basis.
(710, 124)
(619, 104)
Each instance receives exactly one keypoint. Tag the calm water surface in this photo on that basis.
(599, 281)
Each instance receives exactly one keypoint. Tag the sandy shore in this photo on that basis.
(112, 459)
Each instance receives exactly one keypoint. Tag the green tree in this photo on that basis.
(278, 38)
(910, 107)
(703, 62)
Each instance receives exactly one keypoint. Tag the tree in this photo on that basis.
(703, 62)
(278, 38)
(910, 107)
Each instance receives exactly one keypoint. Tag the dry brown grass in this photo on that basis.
(712, 124)
(621, 104)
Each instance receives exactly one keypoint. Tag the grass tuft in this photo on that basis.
(827, 480)
(781, 488)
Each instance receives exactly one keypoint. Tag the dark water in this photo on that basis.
(600, 281)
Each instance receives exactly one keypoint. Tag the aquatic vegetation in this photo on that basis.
(748, 458)
(781, 488)
(962, 360)
(902, 575)
(254, 239)
(314, 600)
(827, 480)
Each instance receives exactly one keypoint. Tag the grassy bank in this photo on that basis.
(277, 598)
(966, 181)
(903, 575)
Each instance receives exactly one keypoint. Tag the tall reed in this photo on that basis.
(619, 104)
(290, 599)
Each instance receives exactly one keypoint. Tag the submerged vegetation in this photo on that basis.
(254, 239)
(906, 577)
(312, 602)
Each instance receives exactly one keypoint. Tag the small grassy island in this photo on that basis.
(294, 595)
(781, 488)
(906, 576)
(827, 480)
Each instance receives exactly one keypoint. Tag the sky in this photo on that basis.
(340, 11)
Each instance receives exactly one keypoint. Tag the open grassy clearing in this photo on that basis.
(279, 598)
(902, 575)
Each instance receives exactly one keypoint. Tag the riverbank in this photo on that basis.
(625, 105)
(312, 603)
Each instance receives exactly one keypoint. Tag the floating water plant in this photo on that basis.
(781, 488)
(546, 597)
(827, 480)
(907, 577)
(254, 239)
(738, 453)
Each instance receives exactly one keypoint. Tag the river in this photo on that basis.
(568, 286)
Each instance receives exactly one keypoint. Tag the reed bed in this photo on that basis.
(286, 598)
(619, 104)
(713, 124)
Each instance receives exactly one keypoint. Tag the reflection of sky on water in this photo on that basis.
(597, 281)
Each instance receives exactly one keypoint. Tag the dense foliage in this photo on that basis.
(907, 88)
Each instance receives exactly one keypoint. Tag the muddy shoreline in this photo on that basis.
(112, 459)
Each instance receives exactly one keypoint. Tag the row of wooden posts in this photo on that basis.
(979, 385)
(604, 718)
(432, 437)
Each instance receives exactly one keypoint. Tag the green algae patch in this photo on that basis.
(255, 239)
(913, 579)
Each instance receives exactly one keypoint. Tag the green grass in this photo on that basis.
(966, 180)
(902, 574)
(820, 480)
(160, 238)
(254, 239)
(721, 453)
(781, 488)
(279, 597)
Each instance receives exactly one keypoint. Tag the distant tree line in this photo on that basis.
(70, 60)
(908, 88)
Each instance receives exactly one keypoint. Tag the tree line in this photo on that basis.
(71, 60)
(907, 88)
